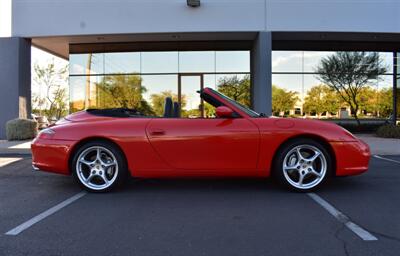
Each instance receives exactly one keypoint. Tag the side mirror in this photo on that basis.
(223, 112)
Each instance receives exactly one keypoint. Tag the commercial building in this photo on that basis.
(169, 47)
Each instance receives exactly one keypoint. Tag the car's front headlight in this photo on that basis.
(46, 133)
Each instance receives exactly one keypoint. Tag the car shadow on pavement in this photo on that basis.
(195, 184)
(231, 185)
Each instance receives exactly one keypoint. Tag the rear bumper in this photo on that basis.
(51, 155)
(352, 158)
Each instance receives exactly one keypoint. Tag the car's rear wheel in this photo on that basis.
(303, 165)
(99, 166)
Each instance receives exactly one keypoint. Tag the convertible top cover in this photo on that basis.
(115, 112)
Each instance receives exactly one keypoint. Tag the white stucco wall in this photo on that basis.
(33, 18)
(5, 18)
(334, 15)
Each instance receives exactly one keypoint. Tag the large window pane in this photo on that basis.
(157, 88)
(287, 94)
(235, 86)
(105, 80)
(290, 82)
(387, 60)
(210, 80)
(122, 62)
(94, 97)
(120, 91)
(313, 59)
(86, 64)
(232, 61)
(190, 99)
(201, 61)
(77, 93)
(384, 97)
(159, 62)
(316, 99)
(287, 61)
(398, 97)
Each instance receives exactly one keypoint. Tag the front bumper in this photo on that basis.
(352, 158)
(51, 155)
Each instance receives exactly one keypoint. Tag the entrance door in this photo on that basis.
(189, 98)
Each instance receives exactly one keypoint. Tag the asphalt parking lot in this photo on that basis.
(199, 217)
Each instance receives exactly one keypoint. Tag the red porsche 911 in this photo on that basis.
(102, 147)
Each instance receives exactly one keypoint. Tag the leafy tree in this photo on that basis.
(60, 106)
(236, 88)
(385, 102)
(282, 100)
(348, 72)
(121, 91)
(320, 99)
(54, 80)
(209, 110)
(368, 100)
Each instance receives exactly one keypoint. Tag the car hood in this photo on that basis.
(326, 129)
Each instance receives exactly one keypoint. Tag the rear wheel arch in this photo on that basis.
(84, 141)
(313, 137)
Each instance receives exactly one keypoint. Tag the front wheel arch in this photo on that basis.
(316, 138)
(82, 142)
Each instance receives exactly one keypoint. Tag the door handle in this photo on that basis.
(157, 132)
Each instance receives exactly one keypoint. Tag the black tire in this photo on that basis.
(121, 174)
(278, 171)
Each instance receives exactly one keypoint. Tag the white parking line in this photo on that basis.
(359, 231)
(387, 159)
(15, 231)
(8, 160)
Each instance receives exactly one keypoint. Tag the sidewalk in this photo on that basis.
(379, 146)
(15, 147)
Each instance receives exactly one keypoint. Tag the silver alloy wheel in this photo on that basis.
(304, 166)
(97, 168)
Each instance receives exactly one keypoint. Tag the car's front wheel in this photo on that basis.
(99, 166)
(303, 165)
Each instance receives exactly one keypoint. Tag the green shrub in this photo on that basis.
(21, 129)
(389, 131)
(366, 126)
(362, 128)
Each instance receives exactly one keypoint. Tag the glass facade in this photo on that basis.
(298, 90)
(142, 80)
(396, 89)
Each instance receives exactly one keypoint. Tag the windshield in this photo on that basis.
(245, 109)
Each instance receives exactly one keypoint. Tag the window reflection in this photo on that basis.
(86, 64)
(232, 61)
(287, 61)
(77, 93)
(236, 87)
(121, 62)
(159, 62)
(201, 62)
(142, 80)
(294, 71)
(157, 88)
(190, 99)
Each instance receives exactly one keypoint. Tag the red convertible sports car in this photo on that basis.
(102, 147)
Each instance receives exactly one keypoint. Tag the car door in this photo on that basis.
(229, 144)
